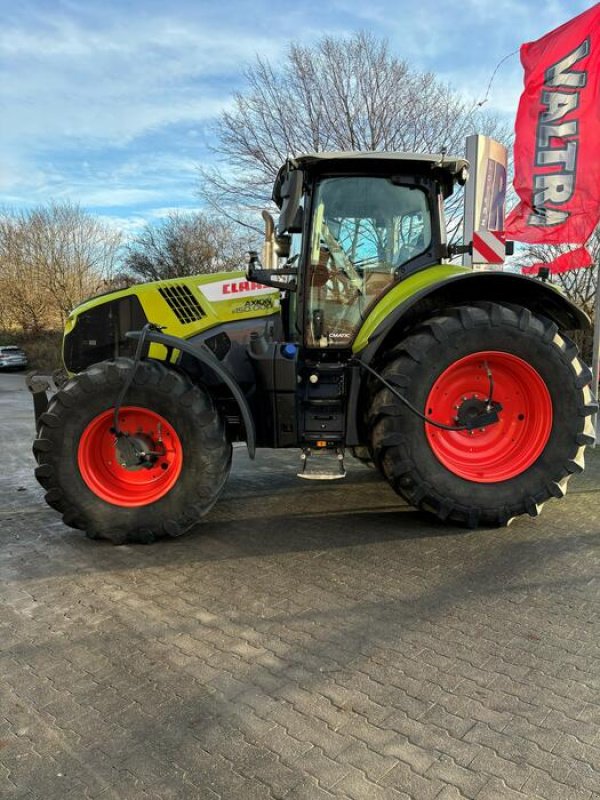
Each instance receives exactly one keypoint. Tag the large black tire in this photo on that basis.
(404, 452)
(188, 409)
(363, 455)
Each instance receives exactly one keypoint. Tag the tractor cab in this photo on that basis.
(352, 225)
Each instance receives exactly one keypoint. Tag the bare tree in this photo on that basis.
(579, 284)
(51, 258)
(185, 244)
(24, 304)
(340, 94)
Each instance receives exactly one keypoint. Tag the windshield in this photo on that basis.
(364, 230)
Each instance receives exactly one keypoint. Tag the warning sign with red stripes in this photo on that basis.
(489, 247)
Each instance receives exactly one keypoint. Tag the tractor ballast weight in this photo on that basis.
(462, 388)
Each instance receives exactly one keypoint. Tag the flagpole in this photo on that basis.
(596, 352)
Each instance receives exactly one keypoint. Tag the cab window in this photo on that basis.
(364, 230)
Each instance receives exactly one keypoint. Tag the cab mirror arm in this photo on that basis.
(265, 276)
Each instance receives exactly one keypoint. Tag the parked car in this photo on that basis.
(12, 357)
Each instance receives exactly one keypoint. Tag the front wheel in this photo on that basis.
(483, 476)
(100, 482)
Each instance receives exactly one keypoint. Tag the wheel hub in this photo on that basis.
(137, 451)
(470, 410)
(474, 413)
(135, 468)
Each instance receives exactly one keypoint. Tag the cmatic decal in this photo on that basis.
(339, 336)
(230, 289)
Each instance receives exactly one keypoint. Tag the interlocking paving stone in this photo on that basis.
(304, 642)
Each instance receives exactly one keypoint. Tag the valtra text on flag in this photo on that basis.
(557, 169)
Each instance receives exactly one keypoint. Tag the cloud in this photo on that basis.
(95, 82)
(130, 225)
(110, 103)
(114, 84)
(462, 41)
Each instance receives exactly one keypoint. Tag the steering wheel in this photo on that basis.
(342, 289)
(340, 257)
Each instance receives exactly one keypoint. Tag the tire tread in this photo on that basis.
(154, 377)
(386, 424)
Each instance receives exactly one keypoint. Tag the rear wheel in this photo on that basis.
(363, 455)
(490, 474)
(109, 490)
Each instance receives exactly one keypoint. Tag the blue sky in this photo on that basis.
(111, 104)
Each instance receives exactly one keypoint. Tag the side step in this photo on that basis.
(333, 460)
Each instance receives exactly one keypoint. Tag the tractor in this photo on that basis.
(353, 333)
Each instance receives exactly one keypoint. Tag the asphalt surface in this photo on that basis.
(306, 640)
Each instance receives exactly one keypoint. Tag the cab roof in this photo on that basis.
(451, 163)
(450, 166)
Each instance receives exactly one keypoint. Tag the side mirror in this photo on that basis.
(290, 218)
(282, 246)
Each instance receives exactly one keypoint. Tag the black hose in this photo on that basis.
(489, 402)
(129, 380)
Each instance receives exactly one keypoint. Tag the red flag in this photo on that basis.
(557, 144)
(573, 259)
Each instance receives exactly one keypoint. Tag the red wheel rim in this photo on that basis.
(506, 448)
(121, 486)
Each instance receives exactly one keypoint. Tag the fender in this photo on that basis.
(416, 298)
(203, 354)
(452, 284)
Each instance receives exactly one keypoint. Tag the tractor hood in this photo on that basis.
(183, 307)
(180, 301)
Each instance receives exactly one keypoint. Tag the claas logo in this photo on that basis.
(237, 287)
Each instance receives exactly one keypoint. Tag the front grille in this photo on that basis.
(182, 303)
(99, 333)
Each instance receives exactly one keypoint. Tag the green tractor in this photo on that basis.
(353, 334)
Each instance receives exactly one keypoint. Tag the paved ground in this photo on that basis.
(306, 641)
